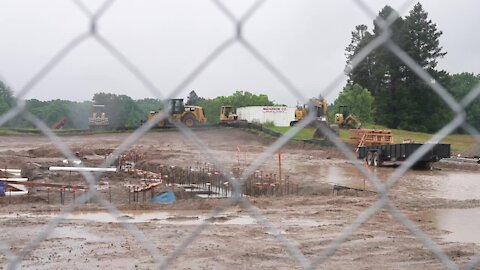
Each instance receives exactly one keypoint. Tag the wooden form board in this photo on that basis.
(365, 137)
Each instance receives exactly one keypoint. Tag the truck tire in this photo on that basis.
(189, 120)
(377, 159)
(369, 159)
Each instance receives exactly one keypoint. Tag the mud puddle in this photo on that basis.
(458, 186)
(161, 218)
(450, 185)
(461, 224)
(166, 218)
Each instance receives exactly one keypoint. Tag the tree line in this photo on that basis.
(400, 98)
(121, 110)
(380, 90)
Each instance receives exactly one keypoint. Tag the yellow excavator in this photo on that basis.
(320, 108)
(189, 115)
(345, 119)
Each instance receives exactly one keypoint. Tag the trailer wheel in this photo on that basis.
(370, 159)
(377, 159)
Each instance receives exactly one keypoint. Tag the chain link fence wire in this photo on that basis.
(14, 259)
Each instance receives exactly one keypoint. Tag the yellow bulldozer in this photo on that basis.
(98, 118)
(189, 115)
(345, 119)
(229, 116)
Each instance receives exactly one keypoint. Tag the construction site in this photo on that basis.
(166, 185)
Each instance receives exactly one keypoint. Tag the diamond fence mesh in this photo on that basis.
(15, 258)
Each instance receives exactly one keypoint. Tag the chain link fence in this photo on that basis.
(15, 258)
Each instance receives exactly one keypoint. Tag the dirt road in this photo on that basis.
(443, 202)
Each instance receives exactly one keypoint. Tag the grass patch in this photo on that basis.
(458, 142)
(304, 134)
(307, 133)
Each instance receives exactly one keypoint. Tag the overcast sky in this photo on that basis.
(166, 40)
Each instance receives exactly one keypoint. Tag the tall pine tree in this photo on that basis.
(362, 74)
(425, 109)
(389, 71)
(402, 100)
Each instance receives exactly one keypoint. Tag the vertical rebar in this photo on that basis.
(280, 164)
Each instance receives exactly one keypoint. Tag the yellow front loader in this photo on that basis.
(189, 115)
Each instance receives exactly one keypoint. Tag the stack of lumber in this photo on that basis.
(365, 137)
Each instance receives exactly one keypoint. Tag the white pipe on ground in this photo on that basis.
(15, 193)
(13, 179)
(82, 169)
(11, 170)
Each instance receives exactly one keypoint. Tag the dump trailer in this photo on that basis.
(375, 155)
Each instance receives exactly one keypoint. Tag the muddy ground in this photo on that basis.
(443, 202)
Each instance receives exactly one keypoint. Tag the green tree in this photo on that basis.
(402, 100)
(460, 85)
(78, 113)
(50, 112)
(6, 98)
(360, 101)
(237, 99)
(193, 99)
(426, 110)
(54, 111)
(422, 38)
(148, 104)
(363, 72)
(121, 110)
(381, 70)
